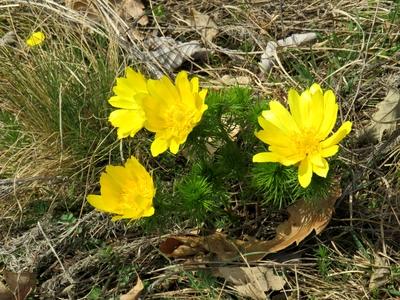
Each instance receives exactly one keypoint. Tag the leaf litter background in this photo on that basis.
(268, 45)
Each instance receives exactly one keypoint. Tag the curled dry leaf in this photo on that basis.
(268, 57)
(251, 282)
(388, 111)
(304, 218)
(135, 292)
(205, 25)
(133, 9)
(171, 54)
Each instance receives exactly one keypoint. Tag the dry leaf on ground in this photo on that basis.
(19, 284)
(135, 292)
(381, 275)
(205, 25)
(8, 38)
(304, 218)
(5, 293)
(252, 282)
(189, 245)
(133, 9)
(234, 80)
(388, 111)
(270, 53)
(85, 7)
(171, 54)
(126, 9)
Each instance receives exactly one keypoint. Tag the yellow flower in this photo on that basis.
(129, 91)
(172, 111)
(126, 191)
(35, 39)
(301, 136)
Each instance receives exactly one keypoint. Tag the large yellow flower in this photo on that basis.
(35, 39)
(172, 111)
(129, 92)
(126, 191)
(301, 136)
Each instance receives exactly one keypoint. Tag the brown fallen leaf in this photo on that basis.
(85, 7)
(386, 117)
(5, 293)
(205, 25)
(251, 282)
(381, 275)
(126, 9)
(20, 284)
(133, 9)
(135, 292)
(304, 218)
(189, 245)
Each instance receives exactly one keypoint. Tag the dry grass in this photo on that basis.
(357, 50)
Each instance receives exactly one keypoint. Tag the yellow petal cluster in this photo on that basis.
(301, 135)
(129, 118)
(35, 39)
(169, 110)
(172, 111)
(126, 191)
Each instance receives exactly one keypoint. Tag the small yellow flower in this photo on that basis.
(35, 39)
(301, 136)
(126, 191)
(129, 91)
(172, 111)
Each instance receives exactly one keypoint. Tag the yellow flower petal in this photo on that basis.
(330, 115)
(305, 172)
(174, 146)
(266, 157)
(316, 159)
(280, 117)
(337, 136)
(316, 109)
(101, 204)
(321, 170)
(294, 105)
(185, 90)
(271, 134)
(194, 82)
(164, 90)
(126, 103)
(292, 159)
(158, 146)
(203, 94)
(128, 122)
(136, 80)
(35, 39)
(330, 151)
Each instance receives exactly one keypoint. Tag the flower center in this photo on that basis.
(183, 122)
(307, 142)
